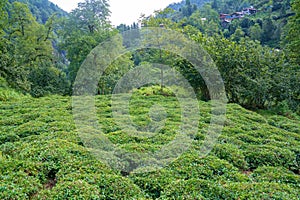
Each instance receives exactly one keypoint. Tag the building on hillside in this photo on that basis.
(223, 16)
(249, 11)
(237, 15)
(228, 18)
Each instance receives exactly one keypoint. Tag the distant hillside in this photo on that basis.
(177, 6)
(42, 9)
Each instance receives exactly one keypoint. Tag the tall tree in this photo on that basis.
(3, 48)
(293, 36)
(83, 30)
(255, 32)
(23, 46)
(268, 29)
(28, 51)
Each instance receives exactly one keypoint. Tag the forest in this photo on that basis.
(254, 46)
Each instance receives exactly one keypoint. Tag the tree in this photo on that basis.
(188, 9)
(238, 34)
(92, 15)
(293, 36)
(28, 50)
(268, 29)
(255, 32)
(26, 46)
(3, 41)
(292, 41)
(84, 28)
(214, 5)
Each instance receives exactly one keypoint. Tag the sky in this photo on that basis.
(123, 11)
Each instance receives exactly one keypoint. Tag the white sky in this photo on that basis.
(123, 11)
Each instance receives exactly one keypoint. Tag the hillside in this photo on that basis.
(180, 5)
(267, 25)
(151, 141)
(42, 9)
(42, 156)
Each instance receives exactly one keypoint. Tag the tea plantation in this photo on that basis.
(42, 156)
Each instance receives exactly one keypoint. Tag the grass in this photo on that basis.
(42, 156)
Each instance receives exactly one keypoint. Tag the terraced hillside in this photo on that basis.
(42, 156)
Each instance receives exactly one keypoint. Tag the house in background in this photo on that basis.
(237, 15)
(223, 16)
(228, 18)
(249, 11)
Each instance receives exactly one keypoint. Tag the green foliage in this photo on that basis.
(41, 155)
(270, 156)
(293, 40)
(154, 90)
(27, 56)
(276, 175)
(42, 9)
(84, 28)
(254, 76)
(202, 189)
(232, 154)
(6, 93)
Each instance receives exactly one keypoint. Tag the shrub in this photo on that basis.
(275, 174)
(204, 189)
(265, 155)
(210, 167)
(98, 186)
(282, 108)
(10, 137)
(76, 190)
(43, 157)
(232, 154)
(153, 183)
(18, 185)
(19, 179)
(9, 95)
(196, 189)
(264, 190)
(155, 90)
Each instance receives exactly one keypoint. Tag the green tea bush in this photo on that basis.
(18, 185)
(94, 186)
(232, 154)
(78, 189)
(285, 123)
(9, 95)
(43, 157)
(196, 189)
(277, 175)
(31, 128)
(223, 139)
(153, 183)
(265, 155)
(155, 90)
(210, 167)
(19, 179)
(205, 189)
(248, 139)
(285, 142)
(264, 190)
(8, 137)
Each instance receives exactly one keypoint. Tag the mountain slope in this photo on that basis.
(42, 9)
(178, 6)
